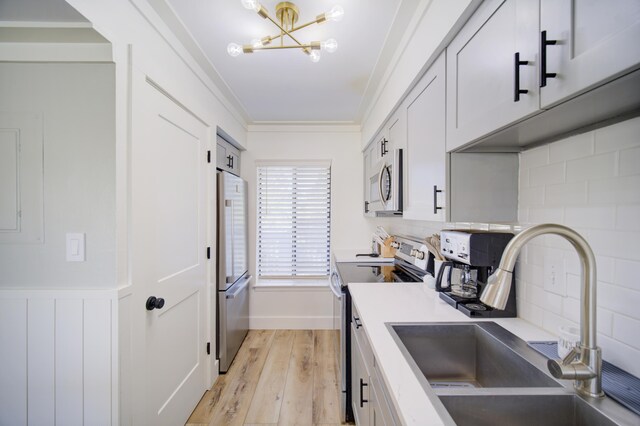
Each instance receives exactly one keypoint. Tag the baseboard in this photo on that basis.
(291, 323)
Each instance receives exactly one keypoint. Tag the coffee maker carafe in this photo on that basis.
(471, 257)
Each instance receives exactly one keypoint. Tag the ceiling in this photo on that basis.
(284, 85)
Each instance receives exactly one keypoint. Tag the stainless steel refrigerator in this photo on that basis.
(232, 267)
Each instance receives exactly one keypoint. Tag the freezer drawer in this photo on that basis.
(233, 320)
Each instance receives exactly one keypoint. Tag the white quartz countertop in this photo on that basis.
(349, 255)
(379, 303)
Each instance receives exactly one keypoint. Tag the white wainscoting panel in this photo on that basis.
(57, 357)
(13, 360)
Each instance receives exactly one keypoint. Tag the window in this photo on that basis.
(294, 221)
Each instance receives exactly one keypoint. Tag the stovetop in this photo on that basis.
(391, 272)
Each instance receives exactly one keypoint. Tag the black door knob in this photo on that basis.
(154, 303)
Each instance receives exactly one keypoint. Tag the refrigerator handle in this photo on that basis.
(240, 286)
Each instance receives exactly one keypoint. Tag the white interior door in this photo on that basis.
(169, 252)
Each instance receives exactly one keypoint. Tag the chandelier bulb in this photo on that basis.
(330, 45)
(234, 49)
(256, 43)
(335, 14)
(314, 56)
(251, 4)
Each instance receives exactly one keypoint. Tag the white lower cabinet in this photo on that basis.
(370, 398)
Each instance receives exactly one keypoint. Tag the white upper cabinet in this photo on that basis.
(594, 41)
(227, 157)
(484, 79)
(425, 152)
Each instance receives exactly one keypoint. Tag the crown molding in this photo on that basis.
(305, 127)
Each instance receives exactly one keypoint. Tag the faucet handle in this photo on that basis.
(570, 357)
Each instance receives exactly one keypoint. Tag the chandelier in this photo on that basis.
(286, 19)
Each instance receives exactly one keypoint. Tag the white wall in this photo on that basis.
(435, 23)
(76, 102)
(306, 308)
(590, 182)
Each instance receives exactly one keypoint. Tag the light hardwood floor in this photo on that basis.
(279, 377)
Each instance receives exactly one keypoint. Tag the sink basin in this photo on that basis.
(523, 410)
(471, 355)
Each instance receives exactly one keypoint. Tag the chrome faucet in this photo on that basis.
(584, 363)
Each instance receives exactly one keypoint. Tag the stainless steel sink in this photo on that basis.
(478, 373)
(470, 355)
(523, 410)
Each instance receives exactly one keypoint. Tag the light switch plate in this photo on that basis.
(75, 247)
(555, 280)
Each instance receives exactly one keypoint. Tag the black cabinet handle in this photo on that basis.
(232, 158)
(384, 147)
(517, 91)
(230, 161)
(154, 303)
(435, 199)
(357, 322)
(366, 207)
(362, 400)
(544, 42)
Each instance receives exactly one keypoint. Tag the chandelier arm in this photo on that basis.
(302, 46)
(276, 37)
(283, 30)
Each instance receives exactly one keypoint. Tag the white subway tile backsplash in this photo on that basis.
(622, 135)
(605, 322)
(627, 330)
(535, 157)
(593, 167)
(606, 269)
(601, 217)
(621, 190)
(573, 286)
(571, 148)
(571, 309)
(627, 274)
(630, 162)
(619, 244)
(566, 194)
(553, 303)
(619, 299)
(620, 354)
(628, 218)
(545, 175)
(533, 196)
(591, 183)
(545, 215)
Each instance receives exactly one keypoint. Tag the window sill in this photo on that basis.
(291, 285)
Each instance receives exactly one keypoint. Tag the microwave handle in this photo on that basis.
(380, 190)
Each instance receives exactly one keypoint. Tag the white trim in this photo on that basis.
(62, 293)
(39, 24)
(304, 127)
(293, 163)
(292, 323)
(291, 285)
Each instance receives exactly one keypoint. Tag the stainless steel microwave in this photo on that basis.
(385, 186)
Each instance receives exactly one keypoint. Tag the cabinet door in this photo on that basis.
(596, 41)
(366, 160)
(396, 131)
(359, 383)
(221, 157)
(481, 70)
(425, 155)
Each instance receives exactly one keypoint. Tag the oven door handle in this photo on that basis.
(335, 288)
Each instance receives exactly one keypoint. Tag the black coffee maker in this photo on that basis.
(472, 256)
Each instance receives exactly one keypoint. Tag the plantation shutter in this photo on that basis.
(294, 221)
